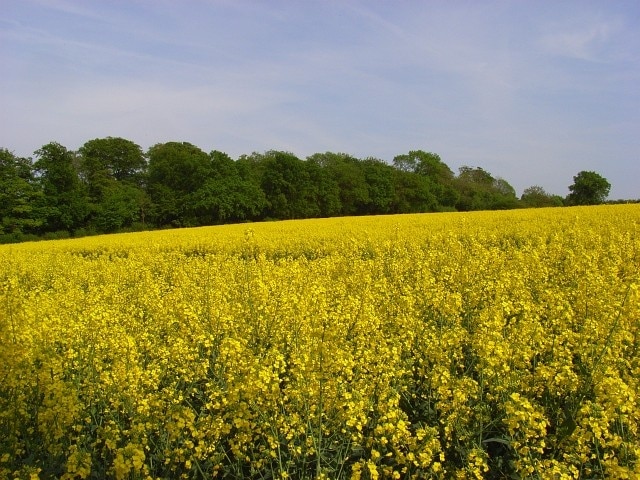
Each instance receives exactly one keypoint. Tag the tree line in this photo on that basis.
(111, 185)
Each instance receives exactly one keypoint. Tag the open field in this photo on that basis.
(476, 345)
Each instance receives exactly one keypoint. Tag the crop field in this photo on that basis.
(456, 345)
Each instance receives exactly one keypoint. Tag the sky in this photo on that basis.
(531, 91)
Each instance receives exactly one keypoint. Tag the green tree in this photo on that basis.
(536, 197)
(348, 174)
(326, 189)
(424, 163)
(287, 186)
(430, 165)
(380, 186)
(227, 196)
(19, 198)
(479, 190)
(113, 169)
(123, 205)
(65, 201)
(504, 197)
(588, 188)
(413, 193)
(110, 158)
(176, 170)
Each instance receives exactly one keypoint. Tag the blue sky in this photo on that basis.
(531, 91)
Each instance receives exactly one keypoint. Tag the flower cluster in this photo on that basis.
(501, 344)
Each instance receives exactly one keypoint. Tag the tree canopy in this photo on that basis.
(110, 184)
(65, 200)
(588, 188)
(20, 197)
(536, 197)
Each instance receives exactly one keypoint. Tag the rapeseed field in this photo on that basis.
(457, 345)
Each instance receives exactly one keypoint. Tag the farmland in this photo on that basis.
(454, 345)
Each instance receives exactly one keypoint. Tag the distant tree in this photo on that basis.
(247, 197)
(380, 186)
(536, 197)
(473, 186)
(413, 193)
(110, 158)
(176, 170)
(285, 181)
(349, 175)
(226, 196)
(19, 198)
(425, 163)
(326, 187)
(122, 206)
(287, 186)
(504, 195)
(112, 169)
(65, 201)
(588, 188)
(406, 163)
(430, 165)
(479, 190)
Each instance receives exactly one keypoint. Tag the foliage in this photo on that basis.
(112, 170)
(225, 196)
(287, 186)
(65, 200)
(462, 345)
(424, 163)
(588, 188)
(19, 196)
(346, 173)
(122, 205)
(536, 197)
(413, 193)
(380, 186)
(326, 188)
(479, 190)
(111, 158)
(176, 170)
(110, 185)
(440, 176)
